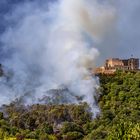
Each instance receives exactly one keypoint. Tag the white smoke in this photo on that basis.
(51, 47)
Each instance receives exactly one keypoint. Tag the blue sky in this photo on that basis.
(6, 6)
(121, 43)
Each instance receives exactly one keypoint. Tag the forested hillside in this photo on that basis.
(119, 101)
(120, 108)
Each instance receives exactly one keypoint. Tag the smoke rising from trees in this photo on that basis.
(52, 46)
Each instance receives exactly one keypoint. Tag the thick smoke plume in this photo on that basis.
(51, 47)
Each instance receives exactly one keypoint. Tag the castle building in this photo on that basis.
(113, 64)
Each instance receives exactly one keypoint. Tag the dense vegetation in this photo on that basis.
(119, 100)
(44, 122)
(120, 108)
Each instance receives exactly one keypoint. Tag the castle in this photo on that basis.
(113, 64)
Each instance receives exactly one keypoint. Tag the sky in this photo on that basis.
(52, 44)
(123, 40)
(47, 46)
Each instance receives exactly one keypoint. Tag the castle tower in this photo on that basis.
(133, 63)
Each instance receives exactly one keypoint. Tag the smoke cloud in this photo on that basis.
(52, 47)
(123, 40)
